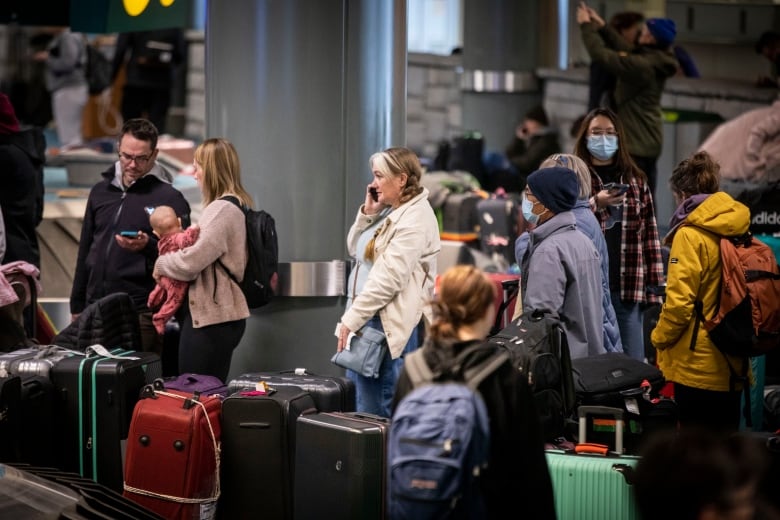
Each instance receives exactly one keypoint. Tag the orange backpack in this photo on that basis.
(747, 320)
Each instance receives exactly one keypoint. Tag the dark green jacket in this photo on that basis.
(641, 74)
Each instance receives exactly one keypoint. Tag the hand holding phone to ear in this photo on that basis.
(372, 205)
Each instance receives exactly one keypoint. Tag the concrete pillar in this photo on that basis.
(500, 55)
(307, 91)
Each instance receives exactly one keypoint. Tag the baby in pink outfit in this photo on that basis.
(168, 294)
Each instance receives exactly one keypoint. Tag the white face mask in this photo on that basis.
(603, 147)
(528, 210)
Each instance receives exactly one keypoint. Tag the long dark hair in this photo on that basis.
(622, 159)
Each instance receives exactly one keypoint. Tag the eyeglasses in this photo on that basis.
(140, 160)
(600, 132)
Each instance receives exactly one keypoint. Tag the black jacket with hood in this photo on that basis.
(103, 267)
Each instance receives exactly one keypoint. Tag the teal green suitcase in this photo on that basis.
(591, 486)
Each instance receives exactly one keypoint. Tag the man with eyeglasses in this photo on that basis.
(117, 249)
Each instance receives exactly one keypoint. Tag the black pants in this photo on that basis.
(208, 350)
(717, 411)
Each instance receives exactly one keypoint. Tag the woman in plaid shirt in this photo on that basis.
(628, 220)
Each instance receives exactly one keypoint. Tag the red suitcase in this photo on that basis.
(507, 292)
(172, 465)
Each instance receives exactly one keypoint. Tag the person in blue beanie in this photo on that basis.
(561, 267)
(641, 73)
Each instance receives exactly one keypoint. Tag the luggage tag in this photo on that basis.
(261, 388)
(102, 351)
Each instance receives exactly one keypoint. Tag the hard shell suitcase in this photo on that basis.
(258, 452)
(589, 486)
(38, 421)
(459, 217)
(497, 218)
(340, 466)
(181, 431)
(96, 395)
(10, 418)
(330, 393)
(36, 361)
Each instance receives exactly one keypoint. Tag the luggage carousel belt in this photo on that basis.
(58, 240)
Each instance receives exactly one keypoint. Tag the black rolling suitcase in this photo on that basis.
(459, 217)
(619, 381)
(340, 466)
(258, 452)
(330, 393)
(96, 395)
(38, 421)
(10, 418)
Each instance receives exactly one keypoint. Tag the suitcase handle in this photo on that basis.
(585, 411)
(591, 447)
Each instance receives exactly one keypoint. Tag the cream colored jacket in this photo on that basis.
(400, 283)
(213, 296)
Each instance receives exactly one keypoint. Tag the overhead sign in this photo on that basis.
(110, 16)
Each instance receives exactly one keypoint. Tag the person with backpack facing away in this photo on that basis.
(215, 310)
(516, 477)
(704, 391)
(397, 269)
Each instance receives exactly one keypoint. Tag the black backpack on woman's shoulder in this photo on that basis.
(261, 275)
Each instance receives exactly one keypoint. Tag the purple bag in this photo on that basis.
(205, 384)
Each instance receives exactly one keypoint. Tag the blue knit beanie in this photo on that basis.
(663, 30)
(556, 187)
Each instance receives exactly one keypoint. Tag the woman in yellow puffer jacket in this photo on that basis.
(703, 389)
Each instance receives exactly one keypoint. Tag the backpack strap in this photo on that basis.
(234, 200)
(475, 375)
(417, 369)
(698, 307)
(420, 373)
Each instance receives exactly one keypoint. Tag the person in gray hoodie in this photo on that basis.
(561, 267)
(66, 58)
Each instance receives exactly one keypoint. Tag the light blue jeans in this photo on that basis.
(629, 318)
(376, 395)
